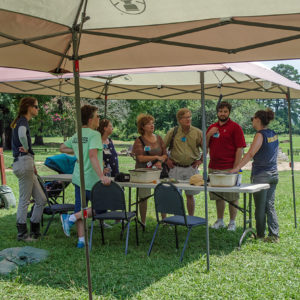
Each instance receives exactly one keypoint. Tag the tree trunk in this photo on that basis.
(38, 140)
(7, 138)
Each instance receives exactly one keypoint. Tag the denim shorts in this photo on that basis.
(78, 198)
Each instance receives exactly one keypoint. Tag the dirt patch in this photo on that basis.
(282, 166)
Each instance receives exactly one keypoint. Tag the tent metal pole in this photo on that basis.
(75, 35)
(105, 100)
(288, 98)
(204, 165)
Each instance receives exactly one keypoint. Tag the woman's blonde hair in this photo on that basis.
(142, 120)
(24, 104)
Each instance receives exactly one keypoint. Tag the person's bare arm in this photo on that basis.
(255, 146)
(209, 134)
(64, 149)
(96, 166)
(238, 156)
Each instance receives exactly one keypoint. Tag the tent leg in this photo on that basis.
(204, 165)
(292, 155)
(75, 40)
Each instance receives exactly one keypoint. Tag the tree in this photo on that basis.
(280, 105)
(7, 114)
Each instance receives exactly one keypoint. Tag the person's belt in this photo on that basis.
(182, 166)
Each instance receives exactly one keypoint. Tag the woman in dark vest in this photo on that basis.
(264, 151)
(25, 171)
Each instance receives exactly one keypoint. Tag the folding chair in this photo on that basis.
(111, 198)
(168, 200)
(53, 207)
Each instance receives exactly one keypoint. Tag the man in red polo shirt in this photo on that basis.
(225, 140)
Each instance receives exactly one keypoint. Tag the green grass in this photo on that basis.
(257, 271)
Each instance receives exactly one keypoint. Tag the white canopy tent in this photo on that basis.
(105, 35)
(145, 33)
(233, 80)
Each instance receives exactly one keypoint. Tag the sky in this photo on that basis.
(269, 64)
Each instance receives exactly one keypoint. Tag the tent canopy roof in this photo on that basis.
(146, 33)
(233, 80)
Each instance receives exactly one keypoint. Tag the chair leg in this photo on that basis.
(91, 236)
(153, 238)
(48, 225)
(127, 238)
(176, 237)
(102, 231)
(186, 241)
(122, 230)
(136, 231)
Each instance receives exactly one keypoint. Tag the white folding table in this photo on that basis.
(243, 189)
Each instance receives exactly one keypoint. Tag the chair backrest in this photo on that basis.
(168, 200)
(107, 197)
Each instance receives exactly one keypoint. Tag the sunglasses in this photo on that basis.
(35, 106)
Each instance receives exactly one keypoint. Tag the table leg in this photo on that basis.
(249, 221)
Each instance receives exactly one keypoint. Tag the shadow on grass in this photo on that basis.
(113, 274)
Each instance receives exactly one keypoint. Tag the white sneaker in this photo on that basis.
(231, 226)
(218, 224)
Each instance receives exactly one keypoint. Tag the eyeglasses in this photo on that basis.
(35, 106)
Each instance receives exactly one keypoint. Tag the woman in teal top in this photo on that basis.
(93, 166)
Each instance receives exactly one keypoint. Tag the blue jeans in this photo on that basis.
(265, 204)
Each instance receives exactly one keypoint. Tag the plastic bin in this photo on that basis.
(7, 197)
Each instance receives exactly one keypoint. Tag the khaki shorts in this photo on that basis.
(181, 173)
(143, 192)
(227, 196)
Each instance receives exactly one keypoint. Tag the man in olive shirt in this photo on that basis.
(184, 157)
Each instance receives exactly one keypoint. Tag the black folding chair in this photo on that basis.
(53, 206)
(111, 198)
(168, 200)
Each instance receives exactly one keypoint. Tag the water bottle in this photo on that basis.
(109, 173)
(239, 178)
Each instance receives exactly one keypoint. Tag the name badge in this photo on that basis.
(147, 148)
(183, 139)
(216, 135)
(106, 151)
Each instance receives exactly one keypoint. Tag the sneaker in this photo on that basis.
(66, 223)
(80, 244)
(231, 226)
(218, 224)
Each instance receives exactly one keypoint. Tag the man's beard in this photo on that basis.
(223, 119)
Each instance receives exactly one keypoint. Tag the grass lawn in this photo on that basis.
(257, 271)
